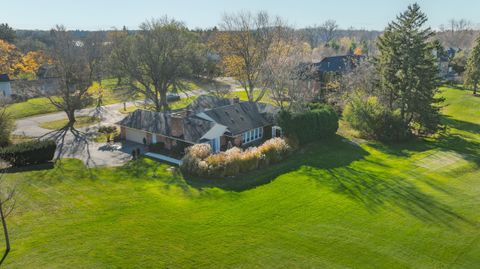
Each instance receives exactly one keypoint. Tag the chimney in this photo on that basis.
(176, 123)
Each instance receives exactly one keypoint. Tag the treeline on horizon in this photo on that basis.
(457, 34)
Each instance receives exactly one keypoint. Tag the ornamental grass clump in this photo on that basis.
(200, 161)
(193, 162)
(274, 150)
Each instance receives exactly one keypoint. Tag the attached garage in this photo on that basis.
(135, 135)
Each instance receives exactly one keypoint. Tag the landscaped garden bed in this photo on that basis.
(200, 161)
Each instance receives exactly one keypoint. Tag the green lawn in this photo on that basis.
(31, 107)
(332, 205)
(81, 121)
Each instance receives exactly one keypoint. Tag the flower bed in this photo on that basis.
(200, 161)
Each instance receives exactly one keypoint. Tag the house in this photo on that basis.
(445, 66)
(338, 65)
(5, 87)
(46, 83)
(222, 123)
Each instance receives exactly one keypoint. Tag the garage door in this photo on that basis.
(135, 135)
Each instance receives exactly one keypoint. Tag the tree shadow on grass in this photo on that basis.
(447, 141)
(331, 153)
(461, 125)
(378, 191)
(30, 168)
(328, 163)
(141, 168)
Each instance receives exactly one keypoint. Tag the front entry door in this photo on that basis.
(215, 143)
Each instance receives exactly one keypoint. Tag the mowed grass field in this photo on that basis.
(334, 204)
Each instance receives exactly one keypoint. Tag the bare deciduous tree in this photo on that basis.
(457, 34)
(362, 79)
(244, 44)
(283, 73)
(75, 68)
(328, 31)
(157, 59)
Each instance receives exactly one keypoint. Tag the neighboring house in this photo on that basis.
(328, 69)
(222, 123)
(47, 83)
(5, 87)
(446, 71)
(338, 65)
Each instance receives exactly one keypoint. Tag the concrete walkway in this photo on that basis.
(163, 158)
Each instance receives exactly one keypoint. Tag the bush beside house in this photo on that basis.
(28, 153)
(200, 161)
(318, 122)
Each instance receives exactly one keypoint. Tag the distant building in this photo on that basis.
(47, 83)
(5, 87)
(339, 64)
(329, 67)
(446, 71)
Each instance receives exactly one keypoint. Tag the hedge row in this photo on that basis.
(28, 153)
(320, 121)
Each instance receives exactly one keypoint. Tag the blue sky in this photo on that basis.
(105, 14)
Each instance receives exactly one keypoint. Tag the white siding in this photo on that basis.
(5, 89)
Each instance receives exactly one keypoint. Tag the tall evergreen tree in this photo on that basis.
(7, 33)
(408, 72)
(472, 72)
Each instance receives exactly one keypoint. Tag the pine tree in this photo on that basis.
(408, 72)
(472, 72)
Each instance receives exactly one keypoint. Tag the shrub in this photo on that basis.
(157, 147)
(274, 150)
(199, 159)
(28, 153)
(320, 121)
(109, 131)
(371, 120)
(6, 127)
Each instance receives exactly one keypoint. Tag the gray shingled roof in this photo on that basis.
(243, 116)
(339, 64)
(160, 123)
(205, 102)
(210, 117)
(4, 78)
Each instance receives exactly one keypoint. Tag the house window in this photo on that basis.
(252, 135)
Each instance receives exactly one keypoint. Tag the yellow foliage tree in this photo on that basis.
(97, 91)
(32, 61)
(16, 64)
(10, 58)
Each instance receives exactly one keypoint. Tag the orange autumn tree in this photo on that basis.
(358, 51)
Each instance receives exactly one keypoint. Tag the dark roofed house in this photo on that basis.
(339, 64)
(220, 122)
